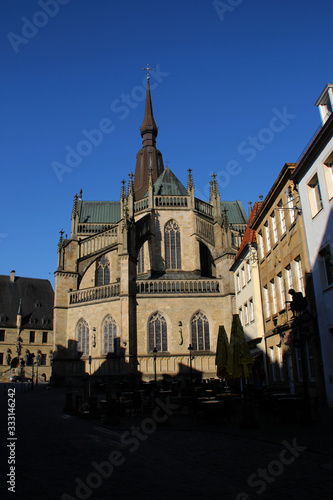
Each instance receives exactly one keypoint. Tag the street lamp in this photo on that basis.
(155, 352)
(38, 358)
(190, 348)
(32, 371)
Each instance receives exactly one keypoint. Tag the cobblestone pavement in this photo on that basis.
(65, 457)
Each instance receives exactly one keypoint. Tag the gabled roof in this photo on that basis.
(99, 212)
(250, 234)
(37, 298)
(168, 184)
(235, 212)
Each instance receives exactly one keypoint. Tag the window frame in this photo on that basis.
(282, 218)
(326, 266)
(172, 246)
(314, 196)
(161, 343)
(83, 337)
(274, 228)
(196, 335)
(109, 338)
(267, 237)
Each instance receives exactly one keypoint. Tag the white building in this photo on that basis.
(247, 291)
(313, 178)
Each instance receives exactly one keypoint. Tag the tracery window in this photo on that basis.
(82, 335)
(109, 330)
(172, 245)
(141, 261)
(157, 332)
(200, 332)
(103, 271)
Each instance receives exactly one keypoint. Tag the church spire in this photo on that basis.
(148, 156)
(148, 128)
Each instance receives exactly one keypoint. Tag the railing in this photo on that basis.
(86, 228)
(177, 286)
(99, 241)
(205, 229)
(141, 205)
(203, 207)
(171, 201)
(96, 293)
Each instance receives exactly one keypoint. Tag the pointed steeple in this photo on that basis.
(148, 156)
(190, 185)
(148, 128)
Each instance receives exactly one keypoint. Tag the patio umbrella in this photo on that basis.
(221, 359)
(240, 361)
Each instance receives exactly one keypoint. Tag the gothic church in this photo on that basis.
(146, 277)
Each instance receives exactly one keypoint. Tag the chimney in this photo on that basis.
(12, 277)
(325, 103)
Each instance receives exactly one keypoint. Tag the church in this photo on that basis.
(143, 283)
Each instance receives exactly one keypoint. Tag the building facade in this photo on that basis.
(314, 182)
(26, 327)
(292, 346)
(144, 278)
(248, 292)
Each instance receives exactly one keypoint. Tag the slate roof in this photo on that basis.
(250, 234)
(235, 212)
(37, 298)
(99, 212)
(168, 184)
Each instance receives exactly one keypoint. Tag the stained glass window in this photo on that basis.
(82, 330)
(109, 335)
(200, 332)
(103, 271)
(158, 333)
(172, 245)
(141, 261)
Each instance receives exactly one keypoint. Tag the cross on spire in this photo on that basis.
(148, 69)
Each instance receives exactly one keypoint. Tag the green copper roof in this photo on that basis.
(168, 185)
(235, 212)
(99, 212)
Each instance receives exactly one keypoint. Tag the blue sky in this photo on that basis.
(233, 93)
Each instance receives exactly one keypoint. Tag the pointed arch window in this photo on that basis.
(82, 335)
(141, 261)
(172, 245)
(157, 331)
(103, 271)
(200, 332)
(109, 330)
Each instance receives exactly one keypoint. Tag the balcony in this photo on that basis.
(202, 286)
(96, 293)
(203, 207)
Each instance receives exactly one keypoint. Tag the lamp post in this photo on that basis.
(155, 352)
(37, 365)
(190, 348)
(32, 371)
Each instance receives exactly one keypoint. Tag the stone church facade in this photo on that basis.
(142, 279)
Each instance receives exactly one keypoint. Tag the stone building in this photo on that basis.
(143, 278)
(26, 327)
(292, 343)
